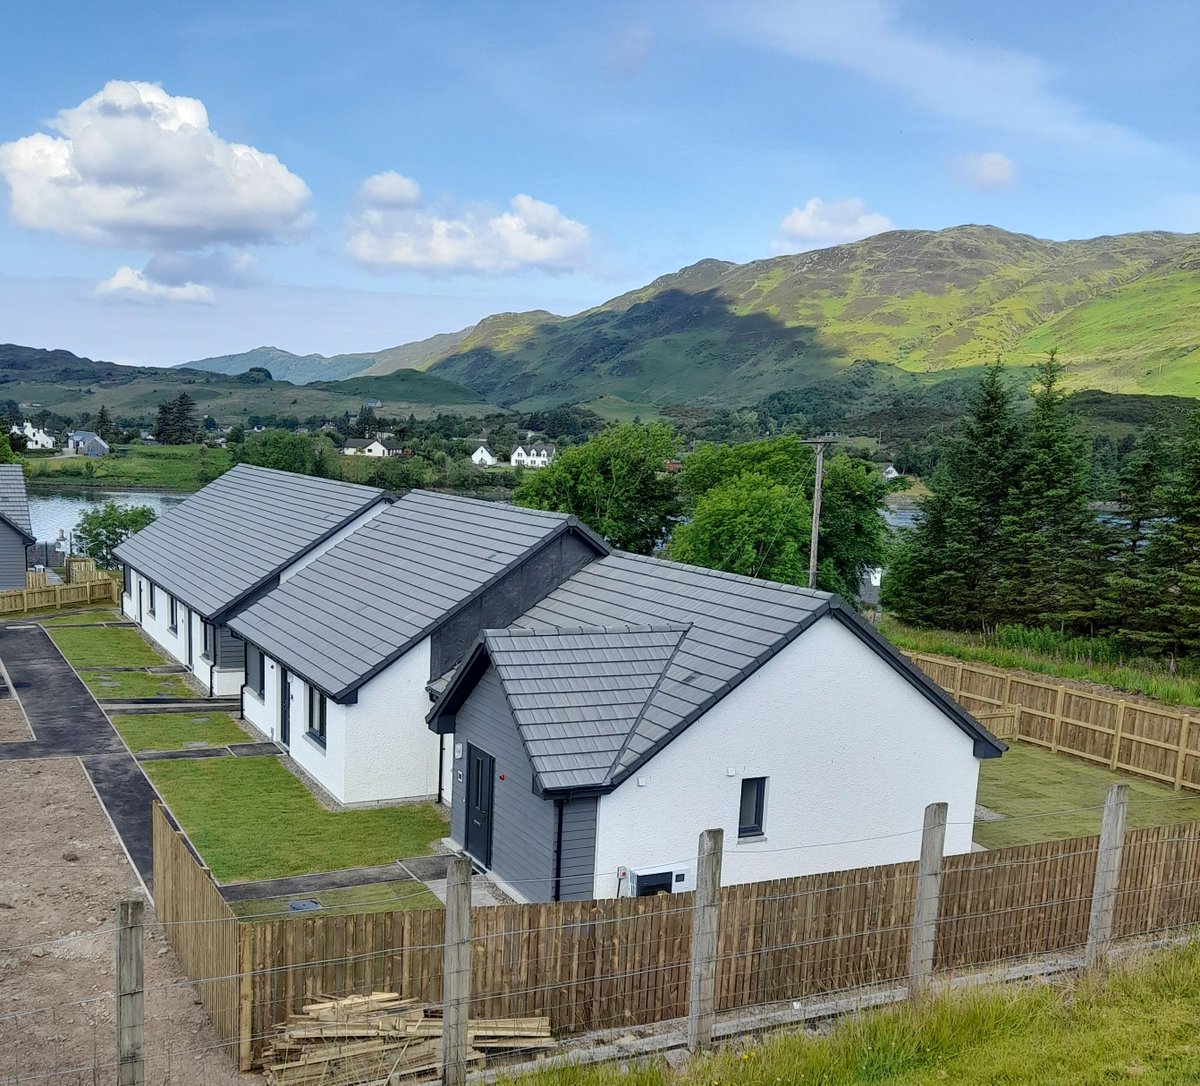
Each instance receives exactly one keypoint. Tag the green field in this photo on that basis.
(172, 467)
(1137, 1024)
(1050, 797)
(178, 731)
(251, 819)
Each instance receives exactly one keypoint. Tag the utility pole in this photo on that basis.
(819, 444)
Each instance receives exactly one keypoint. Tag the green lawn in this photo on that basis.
(178, 731)
(179, 467)
(100, 646)
(1027, 783)
(251, 819)
(377, 898)
(136, 684)
(1136, 1025)
(91, 614)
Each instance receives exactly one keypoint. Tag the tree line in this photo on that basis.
(1011, 535)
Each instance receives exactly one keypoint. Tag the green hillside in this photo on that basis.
(1123, 309)
(299, 369)
(64, 383)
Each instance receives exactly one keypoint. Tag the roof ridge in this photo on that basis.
(721, 574)
(620, 627)
(612, 769)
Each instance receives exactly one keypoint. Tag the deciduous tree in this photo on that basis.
(100, 531)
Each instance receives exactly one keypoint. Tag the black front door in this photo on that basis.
(285, 706)
(481, 774)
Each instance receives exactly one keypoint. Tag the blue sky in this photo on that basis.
(185, 180)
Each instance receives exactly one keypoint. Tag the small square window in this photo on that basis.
(750, 816)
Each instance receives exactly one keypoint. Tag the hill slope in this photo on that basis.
(1122, 309)
(67, 384)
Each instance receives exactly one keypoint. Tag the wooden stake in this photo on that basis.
(456, 972)
(925, 907)
(705, 919)
(1108, 870)
(131, 1066)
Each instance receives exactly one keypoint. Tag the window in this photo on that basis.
(317, 707)
(750, 817)
(174, 608)
(152, 597)
(207, 651)
(256, 671)
(126, 581)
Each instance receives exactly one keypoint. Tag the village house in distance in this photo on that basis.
(531, 456)
(584, 713)
(35, 437)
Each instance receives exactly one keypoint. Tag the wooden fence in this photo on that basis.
(61, 595)
(626, 962)
(201, 928)
(1139, 737)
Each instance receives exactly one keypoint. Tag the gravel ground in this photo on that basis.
(61, 876)
(13, 726)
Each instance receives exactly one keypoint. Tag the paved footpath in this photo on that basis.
(67, 722)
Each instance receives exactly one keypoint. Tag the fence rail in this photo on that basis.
(1139, 737)
(627, 962)
(105, 590)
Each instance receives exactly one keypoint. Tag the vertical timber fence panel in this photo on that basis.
(1139, 737)
(200, 927)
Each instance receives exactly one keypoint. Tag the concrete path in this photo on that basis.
(67, 722)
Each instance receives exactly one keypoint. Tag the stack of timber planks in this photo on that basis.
(381, 1039)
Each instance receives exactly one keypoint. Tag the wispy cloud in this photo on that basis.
(981, 85)
(986, 171)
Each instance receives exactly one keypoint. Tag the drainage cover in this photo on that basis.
(304, 905)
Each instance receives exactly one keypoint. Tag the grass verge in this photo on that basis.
(1137, 1024)
(1027, 784)
(111, 685)
(376, 898)
(1150, 682)
(251, 819)
(105, 646)
(178, 731)
(78, 617)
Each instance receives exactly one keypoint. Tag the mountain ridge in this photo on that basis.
(1123, 309)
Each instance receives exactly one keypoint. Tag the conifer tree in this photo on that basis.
(104, 426)
(1051, 547)
(944, 571)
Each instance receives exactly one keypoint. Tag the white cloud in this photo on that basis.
(975, 83)
(390, 189)
(386, 235)
(128, 284)
(987, 170)
(137, 168)
(817, 224)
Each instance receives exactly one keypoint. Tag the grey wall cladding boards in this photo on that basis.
(12, 557)
(506, 600)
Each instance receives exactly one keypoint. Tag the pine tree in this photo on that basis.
(104, 426)
(1172, 565)
(944, 572)
(1051, 547)
(187, 420)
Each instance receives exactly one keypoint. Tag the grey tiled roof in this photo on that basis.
(577, 695)
(732, 625)
(238, 532)
(14, 503)
(368, 600)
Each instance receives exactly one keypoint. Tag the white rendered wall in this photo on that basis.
(390, 751)
(851, 752)
(263, 713)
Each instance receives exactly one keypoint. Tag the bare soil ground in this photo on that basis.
(62, 874)
(13, 726)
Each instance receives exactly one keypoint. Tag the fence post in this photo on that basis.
(705, 919)
(131, 1067)
(1108, 870)
(456, 972)
(1118, 730)
(925, 907)
(1185, 731)
(1056, 726)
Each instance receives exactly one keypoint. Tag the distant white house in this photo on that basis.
(531, 456)
(86, 443)
(484, 457)
(35, 436)
(890, 472)
(370, 446)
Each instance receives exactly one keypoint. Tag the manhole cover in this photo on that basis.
(304, 905)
